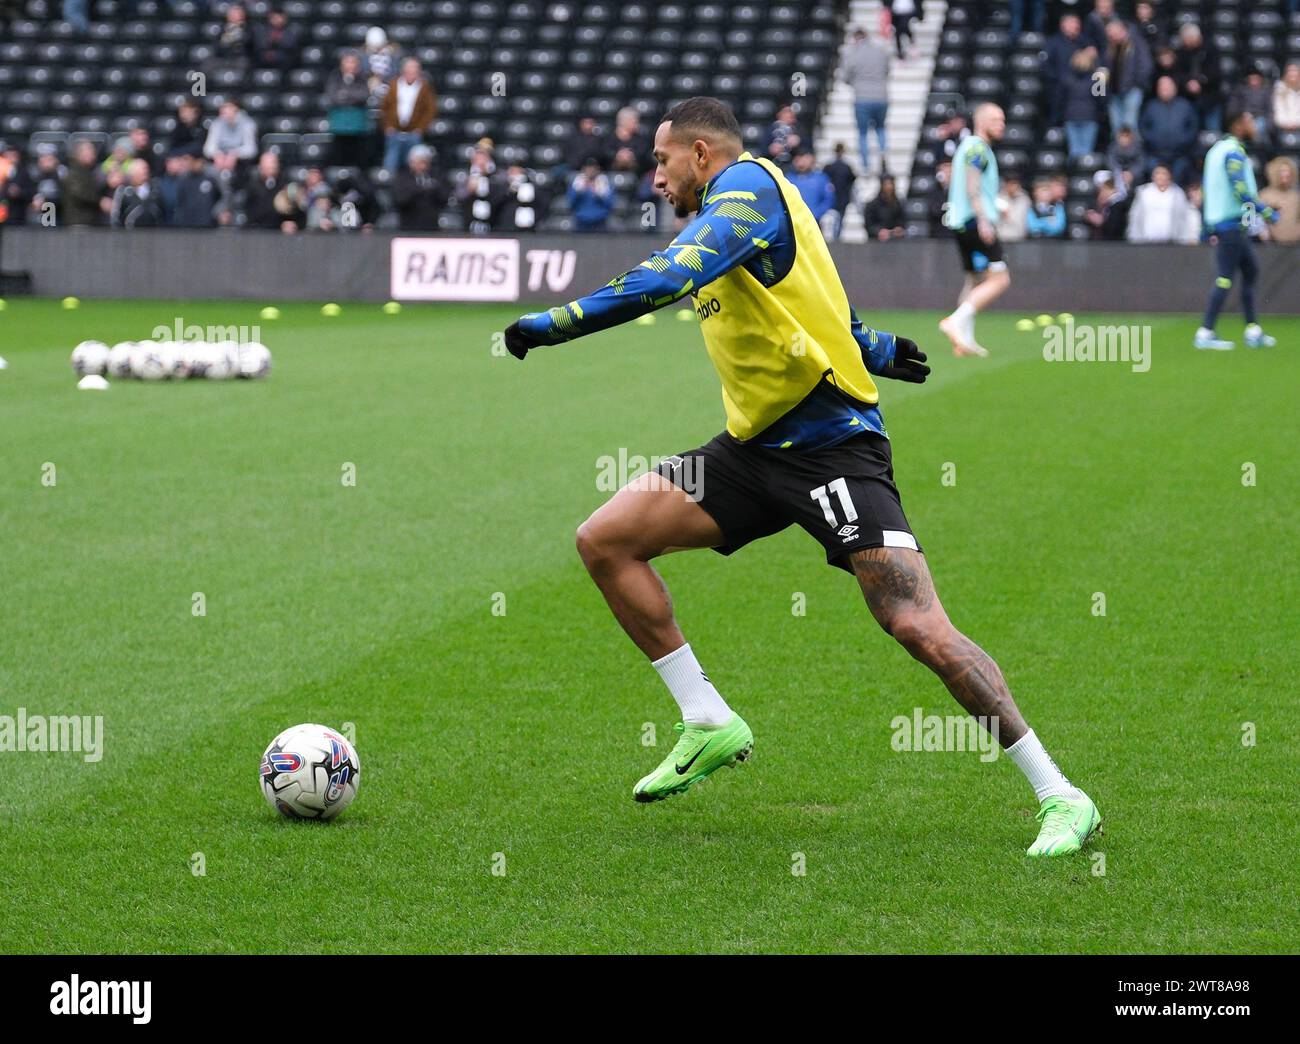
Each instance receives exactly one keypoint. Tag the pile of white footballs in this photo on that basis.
(170, 360)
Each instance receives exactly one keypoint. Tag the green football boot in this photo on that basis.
(699, 751)
(1067, 824)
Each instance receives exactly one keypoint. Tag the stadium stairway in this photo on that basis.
(909, 87)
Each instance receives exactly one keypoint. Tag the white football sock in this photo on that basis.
(964, 316)
(1039, 768)
(691, 688)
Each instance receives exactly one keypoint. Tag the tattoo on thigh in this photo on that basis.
(893, 578)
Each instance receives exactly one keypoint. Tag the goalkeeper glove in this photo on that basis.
(906, 363)
(519, 341)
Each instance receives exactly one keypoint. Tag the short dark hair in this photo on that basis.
(702, 117)
(1232, 116)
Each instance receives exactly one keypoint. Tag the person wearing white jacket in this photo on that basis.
(1286, 99)
(1159, 212)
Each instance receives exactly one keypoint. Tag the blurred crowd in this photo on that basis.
(1145, 91)
(1161, 92)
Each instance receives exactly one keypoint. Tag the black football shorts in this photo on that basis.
(843, 496)
(977, 255)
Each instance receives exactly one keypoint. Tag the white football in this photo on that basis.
(310, 772)
(173, 360)
(198, 356)
(224, 361)
(149, 363)
(90, 357)
(119, 359)
(254, 360)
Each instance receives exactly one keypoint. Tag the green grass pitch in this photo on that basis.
(521, 733)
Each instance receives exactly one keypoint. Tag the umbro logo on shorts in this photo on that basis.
(847, 532)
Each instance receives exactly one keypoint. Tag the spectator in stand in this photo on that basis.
(380, 61)
(1198, 75)
(357, 202)
(1032, 11)
(1046, 216)
(418, 192)
(15, 185)
(1094, 24)
(1150, 26)
(1061, 48)
(323, 214)
(1013, 210)
(1129, 68)
(783, 139)
(314, 186)
(949, 133)
(408, 108)
(883, 216)
(1081, 108)
(842, 178)
(1283, 195)
(47, 182)
(136, 203)
(346, 98)
(1126, 155)
(188, 194)
(483, 189)
(119, 159)
(82, 189)
(1166, 62)
(591, 197)
(234, 43)
(1169, 129)
(587, 142)
(187, 136)
(232, 139)
(901, 15)
(142, 148)
(813, 184)
(266, 203)
(936, 203)
(1159, 211)
(1108, 217)
(275, 42)
(1286, 99)
(627, 146)
(866, 70)
(521, 210)
(323, 210)
(1254, 94)
(1193, 224)
(168, 185)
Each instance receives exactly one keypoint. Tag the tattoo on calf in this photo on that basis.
(893, 578)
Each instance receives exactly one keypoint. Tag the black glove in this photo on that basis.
(909, 362)
(519, 341)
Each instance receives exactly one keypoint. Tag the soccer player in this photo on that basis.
(972, 212)
(805, 445)
(1232, 209)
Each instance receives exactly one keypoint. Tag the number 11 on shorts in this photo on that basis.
(841, 490)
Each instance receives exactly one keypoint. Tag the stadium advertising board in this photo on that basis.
(431, 269)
